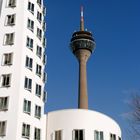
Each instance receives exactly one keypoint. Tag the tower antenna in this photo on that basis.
(82, 19)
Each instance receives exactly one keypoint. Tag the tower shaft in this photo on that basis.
(83, 56)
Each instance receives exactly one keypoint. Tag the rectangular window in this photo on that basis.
(98, 135)
(37, 111)
(112, 137)
(38, 90)
(39, 51)
(26, 130)
(12, 3)
(27, 106)
(29, 43)
(78, 134)
(39, 33)
(44, 26)
(2, 128)
(39, 2)
(28, 84)
(4, 103)
(58, 135)
(44, 96)
(10, 20)
(38, 70)
(39, 16)
(29, 63)
(6, 80)
(44, 58)
(44, 77)
(9, 39)
(119, 138)
(31, 7)
(30, 25)
(37, 134)
(44, 42)
(7, 59)
(44, 11)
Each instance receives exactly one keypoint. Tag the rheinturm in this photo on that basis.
(82, 45)
(81, 123)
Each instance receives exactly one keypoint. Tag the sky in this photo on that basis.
(113, 70)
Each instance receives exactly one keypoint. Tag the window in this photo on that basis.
(44, 42)
(119, 138)
(37, 111)
(2, 128)
(39, 16)
(44, 77)
(98, 135)
(78, 135)
(44, 96)
(26, 130)
(38, 90)
(6, 80)
(10, 20)
(29, 43)
(7, 59)
(12, 3)
(4, 103)
(44, 58)
(58, 135)
(31, 7)
(39, 51)
(30, 25)
(9, 39)
(44, 26)
(44, 11)
(29, 63)
(37, 134)
(39, 33)
(27, 106)
(38, 70)
(39, 2)
(112, 137)
(28, 84)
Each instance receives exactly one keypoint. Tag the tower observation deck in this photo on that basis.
(82, 45)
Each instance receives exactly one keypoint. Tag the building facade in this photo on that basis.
(81, 124)
(22, 70)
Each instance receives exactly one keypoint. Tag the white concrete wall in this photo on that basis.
(68, 120)
(15, 116)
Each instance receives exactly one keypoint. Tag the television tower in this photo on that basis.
(82, 45)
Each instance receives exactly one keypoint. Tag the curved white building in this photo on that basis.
(81, 124)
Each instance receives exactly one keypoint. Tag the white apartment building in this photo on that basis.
(22, 70)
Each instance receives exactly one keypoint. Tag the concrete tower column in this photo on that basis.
(82, 56)
(82, 45)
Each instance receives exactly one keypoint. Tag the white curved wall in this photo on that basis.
(68, 120)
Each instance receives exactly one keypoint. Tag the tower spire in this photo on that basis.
(82, 19)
